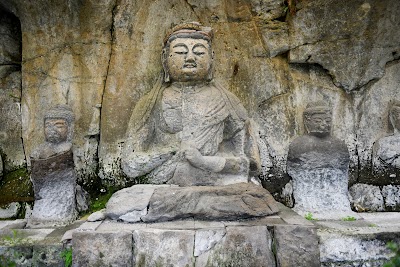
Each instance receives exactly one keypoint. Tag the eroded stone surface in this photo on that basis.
(102, 249)
(53, 175)
(318, 164)
(342, 35)
(152, 247)
(241, 246)
(364, 198)
(231, 202)
(128, 200)
(296, 246)
(391, 194)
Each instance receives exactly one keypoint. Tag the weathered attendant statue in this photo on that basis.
(318, 164)
(53, 175)
(386, 151)
(191, 132)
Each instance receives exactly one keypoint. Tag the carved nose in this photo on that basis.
(190, 57)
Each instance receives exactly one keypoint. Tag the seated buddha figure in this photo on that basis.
(189, 130)
(386, 150)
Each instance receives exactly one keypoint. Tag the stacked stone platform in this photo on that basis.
(285, 239)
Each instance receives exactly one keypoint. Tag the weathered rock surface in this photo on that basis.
(102, 249)
(364, 198)
(342, 35)
(101, 57)
(240, 246)
(130, 200)
(10, 211)
(232, 202)
(156, 247)
(296, 246)
(391, 194)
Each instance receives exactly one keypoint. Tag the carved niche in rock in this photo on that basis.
(318, 164)
(386, 151)
(188, 130)
(53, 175)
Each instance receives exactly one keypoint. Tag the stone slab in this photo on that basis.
(102, 249)
(155, 247)
(240, 246)
(14, 224)
(131, 199)
(231, 202)
(296, 246)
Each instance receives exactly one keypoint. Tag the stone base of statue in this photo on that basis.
(319, 169)
(54, 182)
(322, 192)
(158, 203)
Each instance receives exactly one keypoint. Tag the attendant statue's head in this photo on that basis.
(394, 116)
(187, 54)
(318, 119)
(58, 124)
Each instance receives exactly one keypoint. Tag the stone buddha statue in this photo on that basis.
(53, 175)
(318, 164)
(189, 130)
(386, 151)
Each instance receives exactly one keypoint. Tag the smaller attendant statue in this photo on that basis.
(386, 151)
(53, 175)
(318, 164)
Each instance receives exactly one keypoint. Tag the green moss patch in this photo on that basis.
(16, 187)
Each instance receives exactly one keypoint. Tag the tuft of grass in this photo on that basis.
(372, 225)
(66, 255)
(101, 201)
(349, 219)
(395, 260)
(309, 217)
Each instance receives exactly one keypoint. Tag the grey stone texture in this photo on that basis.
(53, 174)
(71, 55)
(10, 211)
(296, 245)
(154, 247)
(101, 249)
(135, 198)
(240, 246)
(232, 202)
(158, 203)
(391, 194)
(366, 198)
(318, 164)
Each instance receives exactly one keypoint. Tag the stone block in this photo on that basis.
(154, 247)
(364, 197)
(240, 246)
(230, 202)
(296, 246)
(391, 194)
(102, 249)
(135, 200)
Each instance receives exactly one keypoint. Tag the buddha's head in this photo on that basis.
(58, 122)
(187, 54)
(318, 119)
(394, 115)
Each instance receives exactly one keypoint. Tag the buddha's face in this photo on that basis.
(56, 130)
(189, 59)
(319, 124)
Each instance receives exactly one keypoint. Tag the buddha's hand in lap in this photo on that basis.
(207, 163)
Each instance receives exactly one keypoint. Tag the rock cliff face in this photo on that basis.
(100, 57)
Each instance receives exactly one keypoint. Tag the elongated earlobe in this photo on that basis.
(164, 64)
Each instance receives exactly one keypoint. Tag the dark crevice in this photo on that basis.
(192, 7)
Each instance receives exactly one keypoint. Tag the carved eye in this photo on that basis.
(198, 53)
(180, 52)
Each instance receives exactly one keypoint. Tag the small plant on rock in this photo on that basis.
(309, 217)
(349, 219)
(395, 260)
(66, 255)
